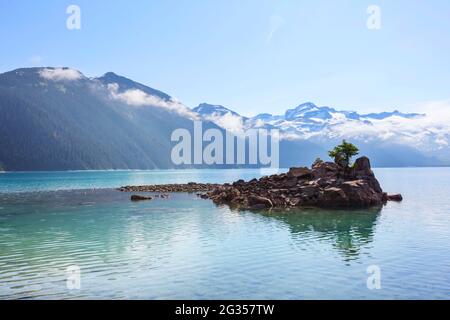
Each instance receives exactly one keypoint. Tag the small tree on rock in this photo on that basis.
(343, 153)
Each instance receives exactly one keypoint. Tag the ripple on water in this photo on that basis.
(186, 248)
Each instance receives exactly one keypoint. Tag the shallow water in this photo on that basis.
(188, 248)
(93, 179)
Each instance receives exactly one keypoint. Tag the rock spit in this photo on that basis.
(167, 188)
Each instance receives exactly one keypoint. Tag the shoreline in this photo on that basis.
(191, 169)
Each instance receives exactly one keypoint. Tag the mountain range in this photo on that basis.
(59, 119)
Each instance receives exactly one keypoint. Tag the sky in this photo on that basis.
(252, 56)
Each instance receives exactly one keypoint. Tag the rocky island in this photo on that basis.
(324, 185)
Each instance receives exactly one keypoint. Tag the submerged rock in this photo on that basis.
(135, 197)
(326, 185)
(395, 197)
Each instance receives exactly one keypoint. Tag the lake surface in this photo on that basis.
(188, 248)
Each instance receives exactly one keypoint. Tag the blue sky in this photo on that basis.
(252, 56)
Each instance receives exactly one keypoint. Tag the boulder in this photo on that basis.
(362, 164)
(309, 191)
(361, 194)
(317, 162)
(257, 201)
(395, 197)
(333, 197)
(324, 170)
(302, 172)
(362, 170)
(136, 197)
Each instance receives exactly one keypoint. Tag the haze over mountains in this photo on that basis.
(58, 119)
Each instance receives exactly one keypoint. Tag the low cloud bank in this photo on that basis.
(431, 131)
(138, 98)
(60, 74)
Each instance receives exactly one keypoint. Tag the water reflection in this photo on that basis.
(347, 230)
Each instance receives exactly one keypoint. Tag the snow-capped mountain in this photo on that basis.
(206, 109)
(305, 121)
(59, 119)
(326, 125)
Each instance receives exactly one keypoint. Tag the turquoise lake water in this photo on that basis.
(188, 248)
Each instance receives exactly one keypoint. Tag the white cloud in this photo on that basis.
(428, 132)
(438, 111)
(60, 74)
(138, 98)
(228, 121)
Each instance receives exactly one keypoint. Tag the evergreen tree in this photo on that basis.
(343, 153)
